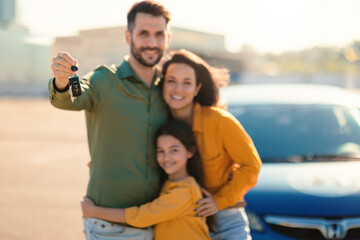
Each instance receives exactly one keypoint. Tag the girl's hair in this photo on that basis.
(182, 132)
(211, 78)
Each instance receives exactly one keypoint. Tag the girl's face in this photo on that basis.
(180, 87)
(172, 156)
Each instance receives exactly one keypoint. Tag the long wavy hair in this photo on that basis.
(211, 78)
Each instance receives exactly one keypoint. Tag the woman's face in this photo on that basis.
(180, 87)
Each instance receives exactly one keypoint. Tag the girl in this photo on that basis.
(230, 159)
(173, 211)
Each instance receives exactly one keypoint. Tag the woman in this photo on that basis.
(230, 159)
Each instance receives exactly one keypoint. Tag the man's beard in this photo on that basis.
(137, 54)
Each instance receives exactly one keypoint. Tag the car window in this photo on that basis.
(288, 132)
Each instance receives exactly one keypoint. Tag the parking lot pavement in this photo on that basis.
(43, 172)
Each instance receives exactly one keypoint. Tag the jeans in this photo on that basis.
(97, 229)
(232, 224)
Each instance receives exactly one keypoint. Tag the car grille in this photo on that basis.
(315, 228)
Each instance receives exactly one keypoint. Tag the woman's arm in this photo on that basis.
(206, 206)
(89, 209)
(240, 148)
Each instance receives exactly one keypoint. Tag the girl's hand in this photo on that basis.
(87, 206)
(206, 206)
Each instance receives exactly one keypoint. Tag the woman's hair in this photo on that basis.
(211, 78)
(182, 132)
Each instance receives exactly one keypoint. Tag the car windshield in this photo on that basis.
(296, 133)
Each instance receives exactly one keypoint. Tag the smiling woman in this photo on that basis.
(230, 159)
(180, 87)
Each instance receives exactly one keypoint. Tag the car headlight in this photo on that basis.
(255, 222)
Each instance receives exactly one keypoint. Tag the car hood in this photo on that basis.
(327, 189)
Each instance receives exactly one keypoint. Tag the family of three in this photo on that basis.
(166, 162)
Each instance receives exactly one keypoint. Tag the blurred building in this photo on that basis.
(107, 46)
(20, 60)
(7, 12)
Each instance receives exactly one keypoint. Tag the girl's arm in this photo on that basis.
(177, 201)
(89, 209)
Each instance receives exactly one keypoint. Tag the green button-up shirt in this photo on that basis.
(122, 116)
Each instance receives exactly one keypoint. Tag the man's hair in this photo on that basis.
(150, 7)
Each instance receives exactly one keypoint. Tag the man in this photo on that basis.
(124, 108)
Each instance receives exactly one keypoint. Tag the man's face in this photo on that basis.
(148, 39)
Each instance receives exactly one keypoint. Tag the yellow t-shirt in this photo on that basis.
(172, 212)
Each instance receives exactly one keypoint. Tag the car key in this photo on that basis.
(74, 83)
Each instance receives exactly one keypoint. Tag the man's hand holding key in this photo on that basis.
(61, 68)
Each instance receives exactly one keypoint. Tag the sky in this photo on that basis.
(266, 25)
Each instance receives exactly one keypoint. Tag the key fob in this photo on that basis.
(74, 84)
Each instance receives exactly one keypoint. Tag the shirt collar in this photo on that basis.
(126, 71)
(197, 118)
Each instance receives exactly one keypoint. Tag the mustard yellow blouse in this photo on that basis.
(172, 212)
(224, 145)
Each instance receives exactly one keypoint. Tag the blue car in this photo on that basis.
(308, 137)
